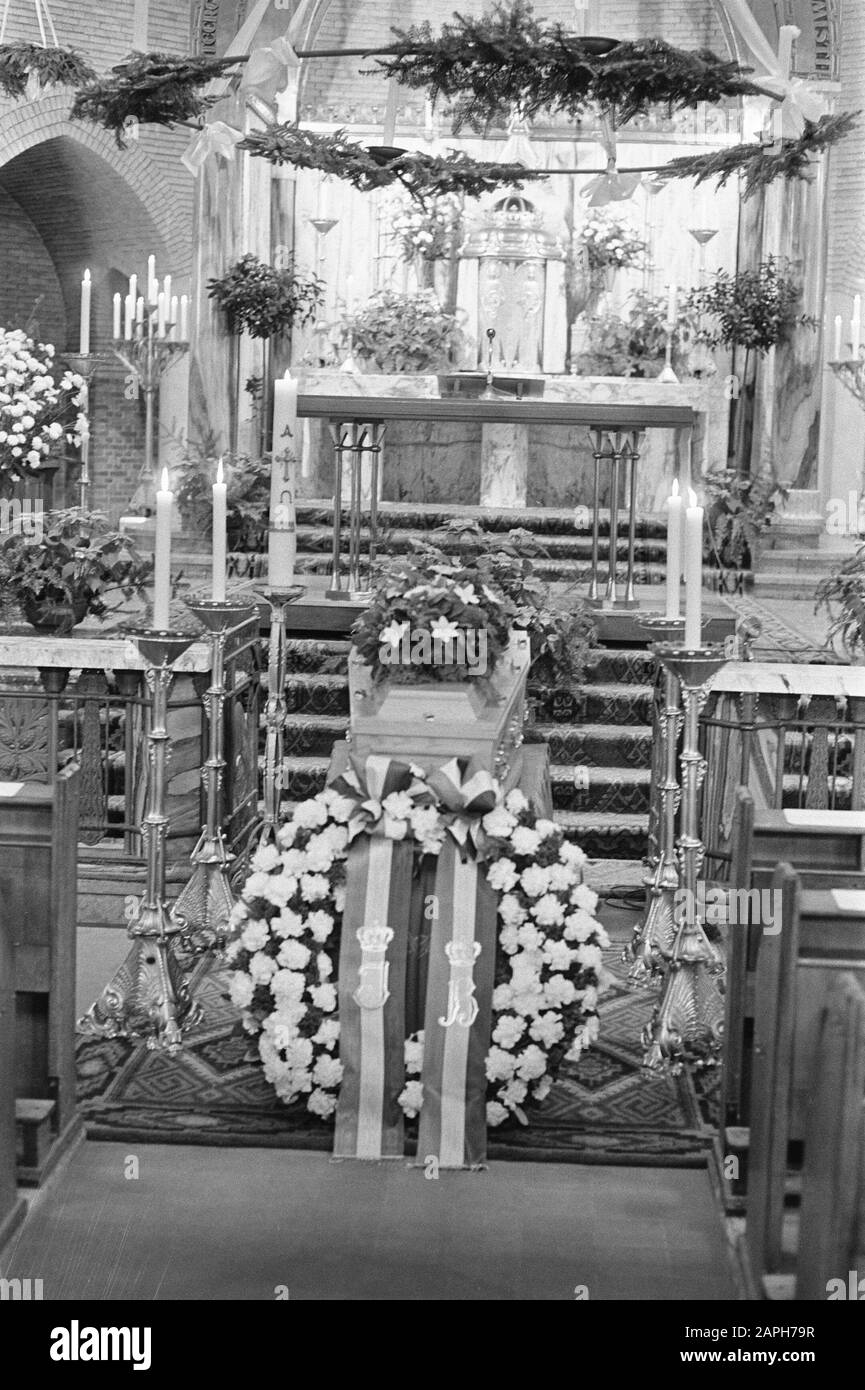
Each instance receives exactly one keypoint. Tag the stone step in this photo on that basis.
(541, 521)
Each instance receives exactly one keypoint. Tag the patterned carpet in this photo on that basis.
(601, 1110)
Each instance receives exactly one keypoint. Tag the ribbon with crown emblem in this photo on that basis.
(458, 1013)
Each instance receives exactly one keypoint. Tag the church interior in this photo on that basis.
(432, 652)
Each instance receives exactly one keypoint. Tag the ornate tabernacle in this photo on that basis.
(429, 723)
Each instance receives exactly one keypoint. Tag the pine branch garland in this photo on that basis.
(508, 60)
(423, 176)
(153, 88)
(52, 67)
(762, 164)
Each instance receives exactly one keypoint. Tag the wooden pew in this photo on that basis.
(822, 936)
(827, 848)
(38, 911)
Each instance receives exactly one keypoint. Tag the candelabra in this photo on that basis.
(688, 1020)
(149, 355)
(84, 363)
(852, 373)
(149, 996)
(654, 936)
(205, 903)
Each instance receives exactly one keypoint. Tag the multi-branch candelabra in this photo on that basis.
(206, 902)
(654, 936)
(149, 996)
(688, 1021)
(149, 354)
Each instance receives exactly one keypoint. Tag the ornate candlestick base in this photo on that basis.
(149, 996)
(654, 936)
(688, 1022)
(206, 901)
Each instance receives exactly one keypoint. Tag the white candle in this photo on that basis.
(173, 315)
(160, 315)
(139, 309)
(115, 320)
(674, 551)
(836, 355)
(152, 287)
(282, 535)
(133, 288)
(693, 572)
(349, 292)
(84, 337)
(220, 541)
(856, 325)
(184, 318)
(128, 317)
(166, 289)
(162, 562)
(672, 305)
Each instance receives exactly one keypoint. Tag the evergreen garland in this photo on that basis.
(423, 176)
(762, 164)
(507, 60)
(156, 88)
(53, 67)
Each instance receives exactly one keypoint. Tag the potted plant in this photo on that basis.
(247, 495)
(740, 511)
(635, 345)
(842, 596)
(36, 400)
(68, 569)
(404, 333)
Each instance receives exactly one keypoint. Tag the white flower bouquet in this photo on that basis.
(35, 403)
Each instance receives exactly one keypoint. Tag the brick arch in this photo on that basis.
(23, 127)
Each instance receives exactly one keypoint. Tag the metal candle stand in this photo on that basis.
(621, 448)
(688, 1020)
(654, 936)
(149, 996)
(206, 902)
(84, 363)
(350, 442)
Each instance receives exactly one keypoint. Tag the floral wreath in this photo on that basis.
(285, 949)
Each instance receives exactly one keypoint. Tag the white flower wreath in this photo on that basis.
(285, 950)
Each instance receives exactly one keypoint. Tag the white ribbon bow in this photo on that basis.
(214, 138)
(798, 102)
(271, 70)
(611, 186)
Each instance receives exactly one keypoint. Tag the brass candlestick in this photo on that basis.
(205, 903)
(654, 936)
(149, 996)
(688, 1021)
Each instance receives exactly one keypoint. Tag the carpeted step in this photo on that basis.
(614, 790)
(603, 835)
(542, 521)
(570, 545)
(595, 745)
(313, 735)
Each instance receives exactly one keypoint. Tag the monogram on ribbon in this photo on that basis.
(372, 991)
(368, 784)
(462, 1005)
(466, 793)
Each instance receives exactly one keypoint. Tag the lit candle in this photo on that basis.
(152, 287)
(674, 551)
(856, 325)
(84, 338)
(282, 535)
(115, 321)
(693, 572)
(184, 318)
(836, 356)
(160, 315)
(220, 543)
(128, 317)
(672, 306)
(162, 562)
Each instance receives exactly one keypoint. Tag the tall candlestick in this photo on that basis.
(220, 542)
(184, 318)
(152, 287)
(162, 561)
(115, 319)
(856, 325)
(84, 337)
(674, 551)
(693, 572)
(836, 355)
(282, 535)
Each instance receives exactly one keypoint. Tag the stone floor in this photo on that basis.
(228, 1224)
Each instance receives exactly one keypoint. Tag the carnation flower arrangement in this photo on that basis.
(610, 243)
(284, 953)
(33, 404)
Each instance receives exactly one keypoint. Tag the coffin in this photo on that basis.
(429, 722)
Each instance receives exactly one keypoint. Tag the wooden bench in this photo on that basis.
(827, 848)
(38, 910)
(822, 937)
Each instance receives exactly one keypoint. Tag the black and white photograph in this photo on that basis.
(432, 668)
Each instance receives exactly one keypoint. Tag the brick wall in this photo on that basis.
(846, 267)
(28, 273)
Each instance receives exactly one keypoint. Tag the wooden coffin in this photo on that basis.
(430, 722)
